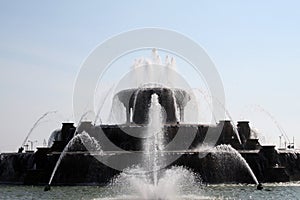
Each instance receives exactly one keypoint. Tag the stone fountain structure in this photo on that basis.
(137, 101)
(80, 167)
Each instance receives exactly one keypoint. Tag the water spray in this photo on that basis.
(48, 187)
(33, 127)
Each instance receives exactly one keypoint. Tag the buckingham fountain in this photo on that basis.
(152, 151)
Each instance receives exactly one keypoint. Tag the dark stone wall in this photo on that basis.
(272, 166)
(216, 168)
(129, 138)
(13, 167)
(244, 131)
(80, 168)
(291, 161)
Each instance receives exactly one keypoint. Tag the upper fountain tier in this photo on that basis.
(136, 102)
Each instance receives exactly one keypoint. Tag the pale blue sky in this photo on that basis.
(255, 46)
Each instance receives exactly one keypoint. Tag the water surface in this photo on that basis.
(222, 191)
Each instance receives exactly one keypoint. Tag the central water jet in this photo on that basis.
(154, 142)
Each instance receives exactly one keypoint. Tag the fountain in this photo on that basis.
(153, 117)
(156, 105)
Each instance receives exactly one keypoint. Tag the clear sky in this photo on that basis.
(255, 46)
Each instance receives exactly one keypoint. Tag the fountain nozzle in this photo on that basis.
(47, 188)
(259, 186)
